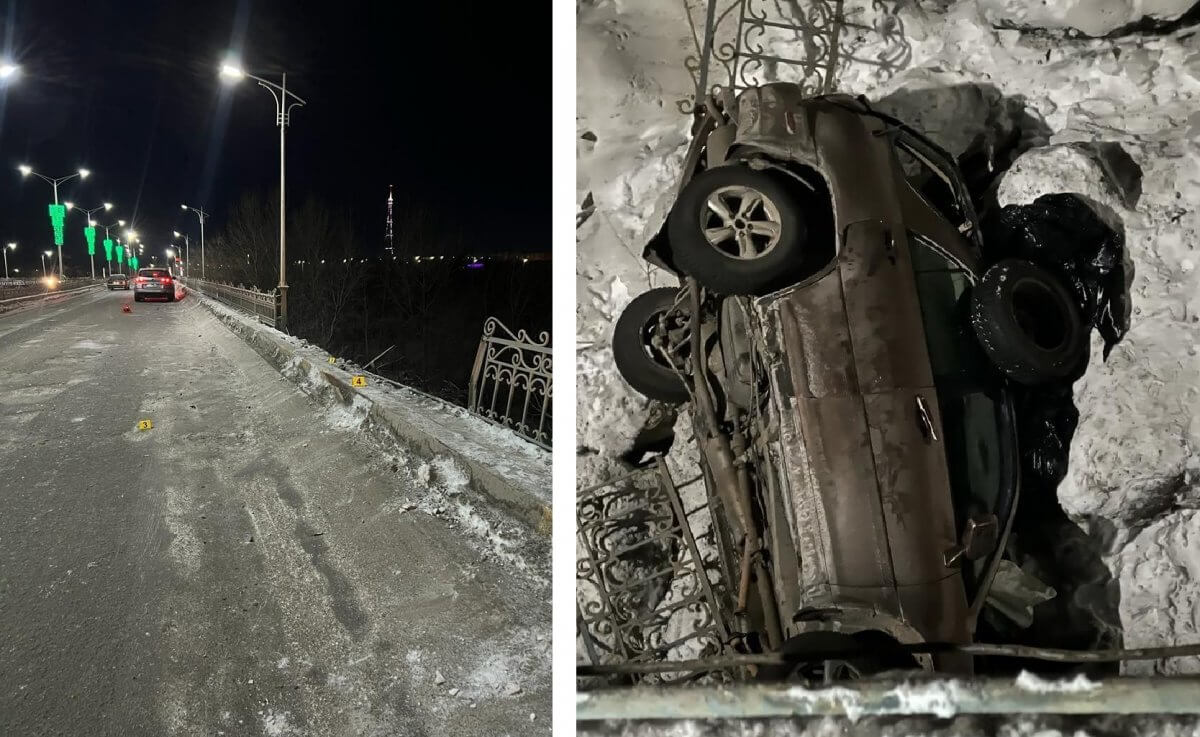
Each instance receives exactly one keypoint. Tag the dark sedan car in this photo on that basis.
(153, 282)
(849, 353)
(118, 281)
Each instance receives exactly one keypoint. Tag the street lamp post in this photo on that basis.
(91, 224)
(11, 247)
(203, 216)
(54, 182)
(107, 254)
(283, 116)
(187, 250)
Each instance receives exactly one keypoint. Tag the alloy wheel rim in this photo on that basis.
(741, 222)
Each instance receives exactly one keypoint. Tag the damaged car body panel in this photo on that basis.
(849, 145)
(865, 489)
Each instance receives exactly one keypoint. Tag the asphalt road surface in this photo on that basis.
(245, 566)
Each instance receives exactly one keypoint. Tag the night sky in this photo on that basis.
(449, 102)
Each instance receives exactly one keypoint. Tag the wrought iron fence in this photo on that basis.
(511, 381)
(745, 43)
(647, 576)
(262, 305)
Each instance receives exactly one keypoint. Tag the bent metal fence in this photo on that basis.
(647, 579)
(511, 381)
(262, 305)
(745, 43)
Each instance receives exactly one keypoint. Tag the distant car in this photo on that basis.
(153, 283)
(850, 352)
(118, 281)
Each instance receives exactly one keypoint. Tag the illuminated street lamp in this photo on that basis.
(11, 247)
(9, 70)
(89, 231)
(187, 250)
(283, 114)
(200, 213)
(57, 213)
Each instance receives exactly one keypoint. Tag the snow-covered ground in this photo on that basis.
(1116, 118)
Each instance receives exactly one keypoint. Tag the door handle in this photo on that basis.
(925, 421)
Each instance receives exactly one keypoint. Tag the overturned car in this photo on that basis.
(850, 350)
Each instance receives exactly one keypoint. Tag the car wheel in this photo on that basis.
(110, 287)
(737, 230)
(643, 367)
(1028, 323)
(137, 297)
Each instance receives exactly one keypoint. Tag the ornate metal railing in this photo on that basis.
(262, 305)
(646, 580)
(745, 43)
(511, 381)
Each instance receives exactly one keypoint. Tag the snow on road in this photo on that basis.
(246, 566)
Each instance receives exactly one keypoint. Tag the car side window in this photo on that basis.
(970, 412)
(931, 183)
(942, 287)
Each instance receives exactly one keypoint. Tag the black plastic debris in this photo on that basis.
(1063, 233)
(1046, 422)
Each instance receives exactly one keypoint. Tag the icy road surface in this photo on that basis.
(243, 567)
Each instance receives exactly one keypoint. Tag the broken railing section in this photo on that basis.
(261, 305)
(746, 43)
(512, 381)
(645, 592)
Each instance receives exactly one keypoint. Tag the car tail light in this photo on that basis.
(165, 279)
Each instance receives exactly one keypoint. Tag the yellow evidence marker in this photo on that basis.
(145, 424)
(358, 381)
(332, 359)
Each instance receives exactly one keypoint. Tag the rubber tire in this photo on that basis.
(137, 297)
(629, 352)
(1009, 346)
(724, 274)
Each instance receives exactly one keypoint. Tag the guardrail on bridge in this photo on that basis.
(261, 305)
(511, 382)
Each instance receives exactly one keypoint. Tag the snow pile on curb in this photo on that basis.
(485, 458)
